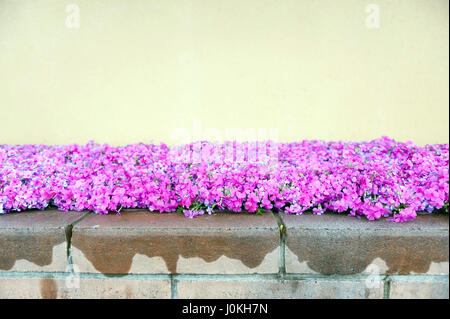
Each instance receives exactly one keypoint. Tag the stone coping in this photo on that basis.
(143, 242)
(138, 241)
(332, 244)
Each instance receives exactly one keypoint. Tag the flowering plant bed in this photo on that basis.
(380, 178)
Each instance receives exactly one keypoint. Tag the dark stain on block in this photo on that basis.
(34, 246)
(331, 249)
(32, 236)
(334, 252)
(112, 246)
(113, 253)
(48, 288)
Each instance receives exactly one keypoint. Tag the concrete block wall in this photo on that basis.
(141, 254)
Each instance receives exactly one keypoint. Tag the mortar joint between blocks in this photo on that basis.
(387, 287)
(282, 258)
(69, 232)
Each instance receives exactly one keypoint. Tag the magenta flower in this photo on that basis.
(380, 178)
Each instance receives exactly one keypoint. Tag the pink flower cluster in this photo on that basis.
(380, 178)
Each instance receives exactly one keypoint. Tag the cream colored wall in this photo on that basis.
(137, 70)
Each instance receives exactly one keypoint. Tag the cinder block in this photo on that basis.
(149, 242)
(273, 288)
(338, 244)
(35, 241)
(419, 287)
(84, 288)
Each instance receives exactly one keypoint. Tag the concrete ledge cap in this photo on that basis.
(338, 244)
(342, 221)
(143, 219)
(149, 242)
(35, 241)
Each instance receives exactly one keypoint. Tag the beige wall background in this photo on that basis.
(170, 71)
